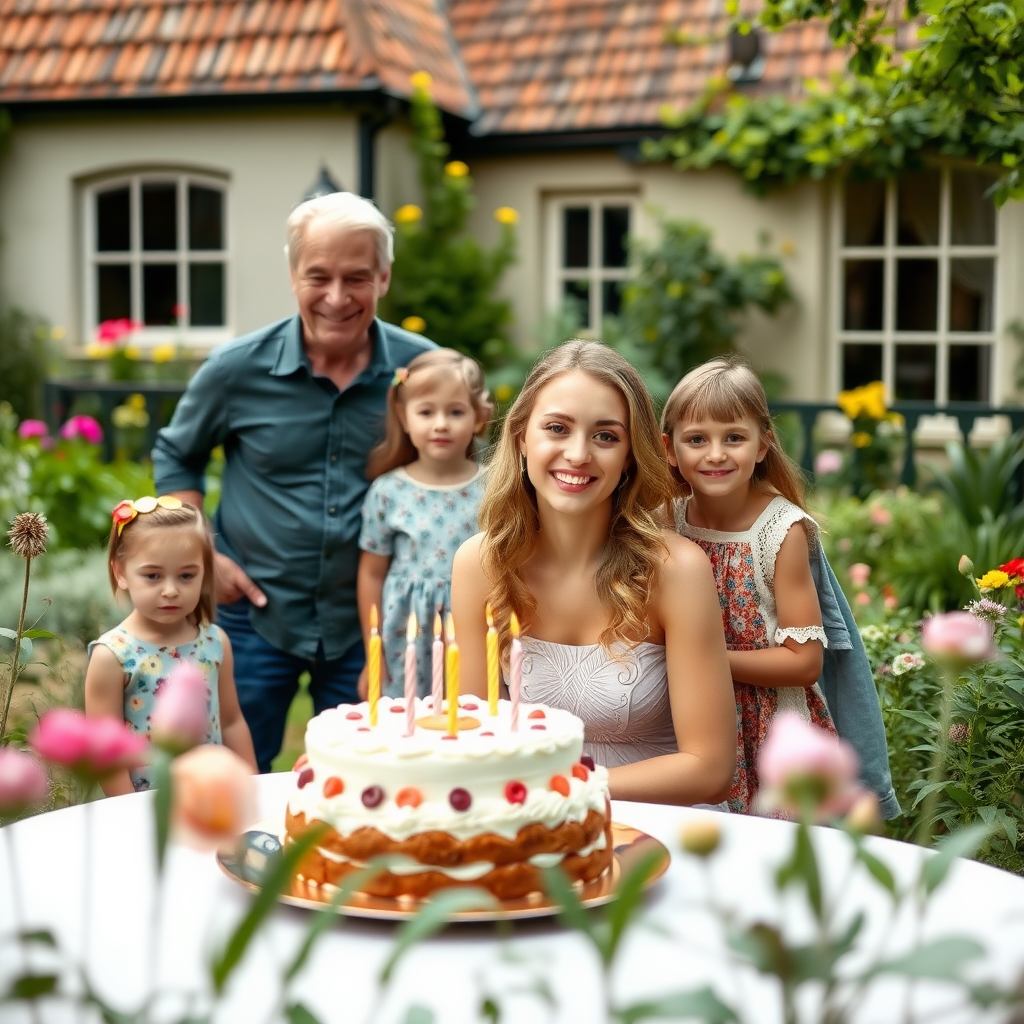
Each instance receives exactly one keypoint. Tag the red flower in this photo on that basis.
(123, 513)
(1015, 567)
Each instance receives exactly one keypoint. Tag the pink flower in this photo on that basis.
(958, 638)
(180, 715)
(880, 516)
(828, 461)
(213, 797)
(860, 573)
(805, 770)
(863, 598)
(844, 544)
(112, 331)
(23, 781)
(32, 428)
(92, 748)
(891, 602)
(84, 427)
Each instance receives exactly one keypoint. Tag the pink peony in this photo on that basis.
(880, 516)
(180, 715)
(84, 427)
(804, 769)
(32, 428)
(958, 638)
(92, 748)
(23, 781)
(828, 461)
(213, 797)
(860, 573)
(112, 331)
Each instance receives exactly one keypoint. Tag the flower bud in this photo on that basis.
(958, 639)
(23, 781)
(965, 567)
(701, 837)
(181, 711)
(213, 797)
(863, 816)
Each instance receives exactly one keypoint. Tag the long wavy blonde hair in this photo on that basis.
(629, 570)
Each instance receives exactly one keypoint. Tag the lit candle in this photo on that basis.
(373, 659)
(492, 663)
(515, 673)
(410, 674)
(438, 666)
(453, 679)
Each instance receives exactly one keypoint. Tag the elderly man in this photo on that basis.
(297, 406)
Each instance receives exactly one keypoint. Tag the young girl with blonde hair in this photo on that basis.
(160, 554)
(619, 615)
(422, 503)
(743, 498)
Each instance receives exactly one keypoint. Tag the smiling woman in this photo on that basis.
(621, 620)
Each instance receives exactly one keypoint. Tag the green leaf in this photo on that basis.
(943, 958)
(918, 716)
(569, 908)
(627, 899)
(802, 867)
(32, 986)
(699, 1004)
(40, 634)
(964, 843)
(763, 946)
(162, 809)
(878, 869)
(276, 880)
(434, 916)
(298, 1014)
(417, 1014)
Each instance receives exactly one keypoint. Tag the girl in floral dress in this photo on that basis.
(422, 503)
(744, 496)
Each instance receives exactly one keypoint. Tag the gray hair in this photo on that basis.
(347, 212)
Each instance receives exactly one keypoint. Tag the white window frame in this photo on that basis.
(147, 337)
(594, 273)
(890, 252)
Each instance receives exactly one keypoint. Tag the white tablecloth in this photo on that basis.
(102, 904)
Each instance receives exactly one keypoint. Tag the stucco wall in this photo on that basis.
(268, 158)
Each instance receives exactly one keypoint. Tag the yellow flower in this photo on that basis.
(408, 214)
(58, 333)
(94, 350)
(132, 352)
(136, 401)
(502, 392)
(456, 169)
(506, 215)
(675, 289)
(421, 80)
(994, 579)
(164, 353)
(861, 439)
(874, 399)
(850, 403)
(416, 324)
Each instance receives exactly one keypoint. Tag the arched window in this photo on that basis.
(157, 254)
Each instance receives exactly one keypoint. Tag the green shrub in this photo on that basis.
(23, 359)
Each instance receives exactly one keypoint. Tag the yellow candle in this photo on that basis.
(492, 664)
(452, 655)
(373, 661)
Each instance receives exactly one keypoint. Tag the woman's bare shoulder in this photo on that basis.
(682, 554)
(468, 557)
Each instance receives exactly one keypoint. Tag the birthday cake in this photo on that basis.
(486, 804)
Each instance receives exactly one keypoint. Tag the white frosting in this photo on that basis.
(482, 761)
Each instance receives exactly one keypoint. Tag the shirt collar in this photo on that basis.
(292, 356)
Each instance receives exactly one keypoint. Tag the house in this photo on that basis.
(158, 145)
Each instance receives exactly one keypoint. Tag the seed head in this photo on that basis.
(28, 534)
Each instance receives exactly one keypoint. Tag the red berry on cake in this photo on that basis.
(559, 784)
(409, 797)
(537, 713)
(333, 787)
(305, 777)
(587, 761)
(580, 771)
(372, 796)
(515, 793)
(354, 716)
(300, 763)
(460, 799)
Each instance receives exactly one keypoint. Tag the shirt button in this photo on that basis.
(334, 456)
(332, 510)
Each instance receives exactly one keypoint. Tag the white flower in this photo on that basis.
(908, 661)
(871, 633)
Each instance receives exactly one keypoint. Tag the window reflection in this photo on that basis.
(917, 208)
(915, 373)
(973, 214)
(970, 369)
(862, 364)
(863, 293)
(917, 295)
(971, 294)
(577, 237)
(864, 213)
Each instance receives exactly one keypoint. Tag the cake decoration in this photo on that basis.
(460, 799)
(333, 787)
(515, 792)
(372, 796)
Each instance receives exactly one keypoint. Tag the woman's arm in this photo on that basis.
(104, 698)
(470, 588)
(373, 571)
(796, 600)
(234, 732)
(700, 690)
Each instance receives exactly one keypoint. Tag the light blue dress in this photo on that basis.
(146, 668)
(419, 527)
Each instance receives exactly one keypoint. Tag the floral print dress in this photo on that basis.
(420, 527)
(146, 668)
(744, 568)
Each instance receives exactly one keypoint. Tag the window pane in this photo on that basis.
(611, 297)
(206, 291)
(974, 216)
(205, 218)
(861, 365)
(864, 213)
(113, 292)
(614, 235)
(159, 293)
(971, 291)
(864, 287)
(577, 298)
(917, 295)
(915, 373)
(576, 222)
(159, 217)
(917, 209)
(113, 220)
(970, 370)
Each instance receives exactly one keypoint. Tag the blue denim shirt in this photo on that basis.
(849, 685)
(295, 450)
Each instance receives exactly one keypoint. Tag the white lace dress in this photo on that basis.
(744, 568)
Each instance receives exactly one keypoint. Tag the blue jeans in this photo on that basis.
(267, 679)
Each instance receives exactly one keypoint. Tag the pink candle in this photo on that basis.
(515, 674)
(437, 667)
(410, 675)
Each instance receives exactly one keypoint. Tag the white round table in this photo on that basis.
(87, 874)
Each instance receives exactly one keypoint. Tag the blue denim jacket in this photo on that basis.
(849, 685)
